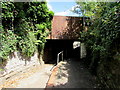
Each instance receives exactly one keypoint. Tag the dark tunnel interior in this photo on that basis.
(55, 46)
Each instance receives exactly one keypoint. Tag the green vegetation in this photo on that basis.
(103, 40)
(25, 25)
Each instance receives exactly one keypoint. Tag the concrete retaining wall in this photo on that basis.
(16, 62)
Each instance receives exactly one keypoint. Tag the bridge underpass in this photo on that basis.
(55, 46)
(65, 31)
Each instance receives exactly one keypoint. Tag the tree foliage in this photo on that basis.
(103, 37)
(25, 25)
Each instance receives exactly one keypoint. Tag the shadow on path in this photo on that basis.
(71, 73)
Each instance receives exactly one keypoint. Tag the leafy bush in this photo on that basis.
(27, 44)
(8, 43)
(103, 39)
(24, 27)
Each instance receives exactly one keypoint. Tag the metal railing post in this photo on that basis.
(57, 58)
(62, 56)
(59, 55)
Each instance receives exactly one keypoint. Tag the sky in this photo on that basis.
(62, 8)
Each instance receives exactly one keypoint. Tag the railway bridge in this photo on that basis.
(63, 37)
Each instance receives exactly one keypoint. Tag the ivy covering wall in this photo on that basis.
(25, 25)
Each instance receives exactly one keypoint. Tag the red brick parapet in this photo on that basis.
(66, 27)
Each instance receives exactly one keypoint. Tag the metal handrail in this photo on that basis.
(59, 55)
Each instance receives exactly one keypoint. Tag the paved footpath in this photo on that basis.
(38, 79)
(67, 74)
(71, 74)
(34, 77)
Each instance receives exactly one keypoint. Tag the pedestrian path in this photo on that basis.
(71, 74)
(38, 79)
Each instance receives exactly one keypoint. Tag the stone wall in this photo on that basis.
(17, 62)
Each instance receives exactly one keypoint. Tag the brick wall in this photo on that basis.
(66, 27)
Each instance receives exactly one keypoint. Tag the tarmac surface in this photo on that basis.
(69, 73)
(38, 79)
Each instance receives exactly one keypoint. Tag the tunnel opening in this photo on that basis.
(53, 47)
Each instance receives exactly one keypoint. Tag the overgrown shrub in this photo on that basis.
(19, 30)
(103, 39)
